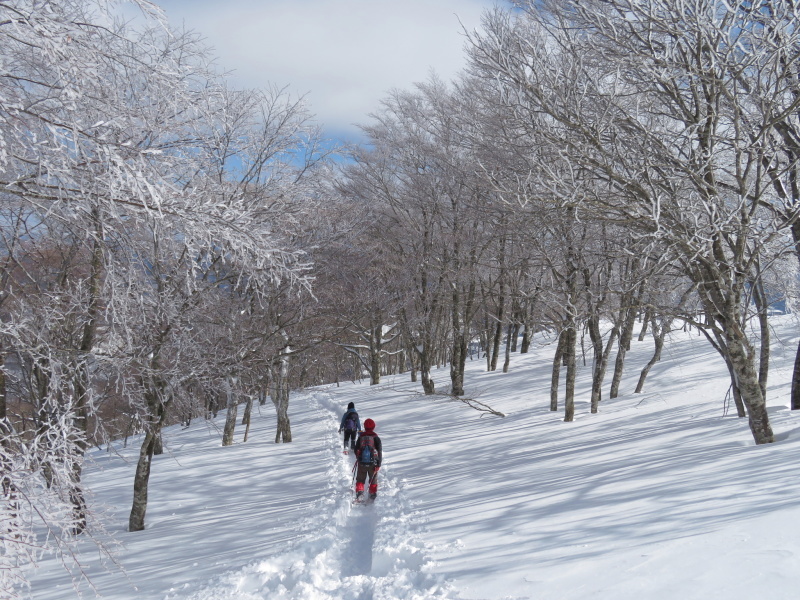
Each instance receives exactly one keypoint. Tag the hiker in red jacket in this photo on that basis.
(369, 455)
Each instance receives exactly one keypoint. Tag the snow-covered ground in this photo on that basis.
(662, 495)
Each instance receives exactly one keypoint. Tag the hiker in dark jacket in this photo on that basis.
(351, 425)
(369, 455)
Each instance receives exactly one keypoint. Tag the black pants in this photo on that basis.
(350, 435)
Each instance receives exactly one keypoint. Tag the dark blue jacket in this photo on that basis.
(344, 418)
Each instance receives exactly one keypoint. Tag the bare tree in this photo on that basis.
(670, 129)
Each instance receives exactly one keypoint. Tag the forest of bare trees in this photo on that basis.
(173, 247)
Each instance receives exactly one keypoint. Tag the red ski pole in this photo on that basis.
(374, 476)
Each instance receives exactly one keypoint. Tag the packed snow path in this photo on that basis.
(360, 552)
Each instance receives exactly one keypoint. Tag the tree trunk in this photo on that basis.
(230, 417)
(747, 382)
(624, 344)
(647, 318)
(486, 342)
(248, 410)
(458, 364)
(76, 496)
(81, 380)
(795, 402)
(762, 305)
(501, 305)
(428, 385)
(280, 398)
(507, 361)
(3, 394)
(462, 314)
(659, 335)
(141, 479)
(741, 411)
(601, 356)
(796, 381)
(140, 483)
(526, 339)
(375, 352)
(558, 360)
(571, 326)
(284, 430)
(569, 353)
(498, 336)
(411, 351)
(158, 446)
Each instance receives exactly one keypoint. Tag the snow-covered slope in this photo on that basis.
(662, 495)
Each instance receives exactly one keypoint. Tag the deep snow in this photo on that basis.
(662, 495)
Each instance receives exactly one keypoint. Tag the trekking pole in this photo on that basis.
(354, 473)
(374, 475)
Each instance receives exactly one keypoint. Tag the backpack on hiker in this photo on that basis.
(351, 421)
(369, 454)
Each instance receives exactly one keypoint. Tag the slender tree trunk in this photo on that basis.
(795, 398)
(624, 345)
(741, 411)
(762, 306)
(458, 364)
(3, 393)
(569, 353)
(659, 335)
(461, 319)
(412, 350)
(428, 385)
(600, 361)
(558, 360)
(571, 325)
(284, 429)
(487, 340)
(525, 345)
(81, 380)
(647, 318)
(230, 417)
(141, 480)
(507, 361)
(375, 352)
(796, 380)
(497, 337)
(140, 483)
(248, 411)
(10, 494)
(158, 447)
(501, 305)
(280, 398)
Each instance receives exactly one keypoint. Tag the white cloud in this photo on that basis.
(346, 54)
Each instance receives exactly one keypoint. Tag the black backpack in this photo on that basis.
(369, 454)
(351, 422)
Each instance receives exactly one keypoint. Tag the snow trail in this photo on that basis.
(357, 552)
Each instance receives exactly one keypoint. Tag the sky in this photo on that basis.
(661, 495)
(344, 55)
